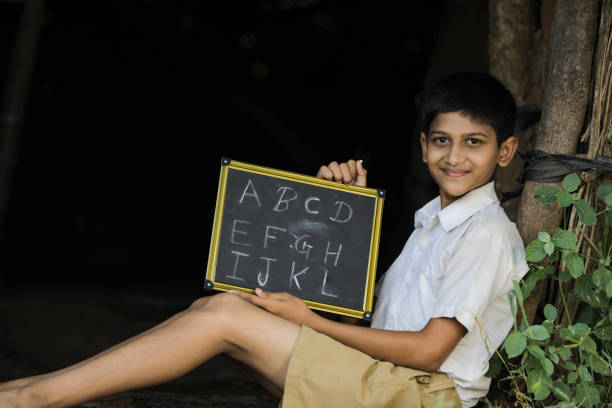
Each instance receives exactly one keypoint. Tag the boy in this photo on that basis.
(442, 308)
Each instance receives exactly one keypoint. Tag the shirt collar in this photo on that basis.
(460, 210)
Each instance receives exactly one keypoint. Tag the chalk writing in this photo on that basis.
(283, 235)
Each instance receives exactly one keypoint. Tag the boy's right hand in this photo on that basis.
(350, 173)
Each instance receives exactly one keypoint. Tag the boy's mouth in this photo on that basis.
(455, 173)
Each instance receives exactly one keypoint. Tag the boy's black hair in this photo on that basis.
(480, 97)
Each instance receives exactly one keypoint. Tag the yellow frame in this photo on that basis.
(227, 164)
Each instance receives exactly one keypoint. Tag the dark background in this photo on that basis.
(133, 103)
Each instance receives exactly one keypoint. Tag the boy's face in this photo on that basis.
(462, 154)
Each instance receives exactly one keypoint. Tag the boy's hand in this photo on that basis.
(281, 304)
(350, 173)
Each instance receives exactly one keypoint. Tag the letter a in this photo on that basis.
(253, 194)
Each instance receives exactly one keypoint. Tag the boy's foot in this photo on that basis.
(16, 383)
(8, 399)
(19, 398)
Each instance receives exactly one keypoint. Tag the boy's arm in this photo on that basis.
(423, 350)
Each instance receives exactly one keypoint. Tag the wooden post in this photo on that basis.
(520, 37)
(565, 102)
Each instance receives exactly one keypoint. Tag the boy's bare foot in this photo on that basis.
(8, 399)
(20, 398)
(20, 382)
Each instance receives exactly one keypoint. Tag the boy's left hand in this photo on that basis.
(281, 304)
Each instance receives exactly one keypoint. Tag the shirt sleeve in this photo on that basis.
(478, 270)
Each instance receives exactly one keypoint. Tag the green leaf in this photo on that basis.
(602, 278)
(546, 194)
(550, 312)
(564, 353)
(564, 239)
(517, 291)
(584, 373)
(603, 190)
(575, 264)
(567, 334)
(565, 199)
(536, 351)
(537, 332)
(571, 182)
(585, 212)
(515, 344)
(561, 390)
(586, 291)
(604, 332)
(553, 356)
(548, 366)
(564, 275)
(530, 283)
(570, 366)
(549, 248)
(587, 395)
(539, 383)
(580, 329)
(495, 365)
(608, 199)
(599, 365)
(584, 314)
(544, 236)
(535, 251)
(588, 345)
(572, 377)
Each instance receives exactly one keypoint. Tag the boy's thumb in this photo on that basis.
(361, 174)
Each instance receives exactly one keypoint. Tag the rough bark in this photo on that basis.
(519, 52)
(565, 102)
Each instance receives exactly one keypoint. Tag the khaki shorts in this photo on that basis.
(327, 374)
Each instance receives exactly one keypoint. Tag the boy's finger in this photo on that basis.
(362, 174)
(346, 174)
(325, 173)
(335, 169)
(270, 295)
(352, 168)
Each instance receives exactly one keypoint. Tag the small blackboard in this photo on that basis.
(288, 232)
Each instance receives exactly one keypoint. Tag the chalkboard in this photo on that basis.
(288, 232)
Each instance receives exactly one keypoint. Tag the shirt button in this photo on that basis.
(407, 286)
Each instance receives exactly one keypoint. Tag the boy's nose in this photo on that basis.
(455, 154)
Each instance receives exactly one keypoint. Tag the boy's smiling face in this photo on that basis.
(462, 154)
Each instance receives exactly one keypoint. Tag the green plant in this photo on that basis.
(564, 359)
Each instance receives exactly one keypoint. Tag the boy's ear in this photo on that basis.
(424, 146)
(506, 151)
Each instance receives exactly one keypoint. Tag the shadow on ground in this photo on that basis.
(47, 329)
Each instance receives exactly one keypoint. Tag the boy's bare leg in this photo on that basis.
(223, 324)
(20, 382)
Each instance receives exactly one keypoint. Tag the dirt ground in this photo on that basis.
(44, 329)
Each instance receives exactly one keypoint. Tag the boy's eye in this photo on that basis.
(439, 139)
(473, 141)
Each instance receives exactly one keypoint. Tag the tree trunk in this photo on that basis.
(565, 102)
(520, 38)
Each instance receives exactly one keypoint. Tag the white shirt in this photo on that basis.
(459, 262)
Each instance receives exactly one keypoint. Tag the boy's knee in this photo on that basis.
(220, 304)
